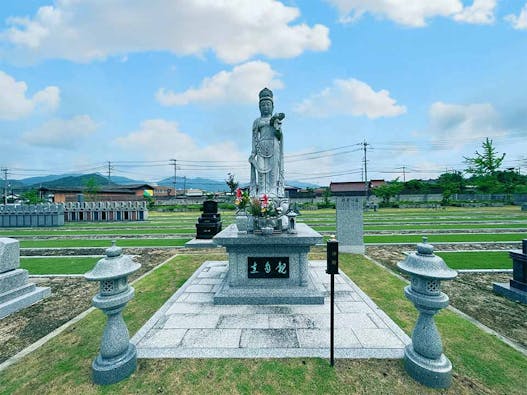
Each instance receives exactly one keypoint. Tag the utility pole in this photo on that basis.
(185, 185)
(404, 173)
(365, 148)
(5, 185)
(110, 168)
(174, 163)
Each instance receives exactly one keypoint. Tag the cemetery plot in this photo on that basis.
(477, 260)
(57, 265)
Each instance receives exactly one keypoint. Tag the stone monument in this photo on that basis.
(15, 290)
(268, 264)
(350, 217)
(516, 288)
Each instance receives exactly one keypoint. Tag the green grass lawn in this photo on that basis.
(482, 364)
(66, 243)
(58, 265)
(98, 232)
(477, 260)
(432, 238)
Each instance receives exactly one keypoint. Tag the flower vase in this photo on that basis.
(250, 224)
(241, 223)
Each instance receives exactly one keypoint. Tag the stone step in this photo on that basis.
(13, 279)
(23, 301)
(16, 292)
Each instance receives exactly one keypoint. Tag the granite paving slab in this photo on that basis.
(189, 325)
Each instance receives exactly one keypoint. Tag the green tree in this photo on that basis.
(92, 188)
(231, 182)
(388, 190)
(486, 163)
(416, 186)
(31, 196)
(451, 183)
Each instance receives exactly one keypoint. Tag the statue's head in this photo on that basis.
(266, 102)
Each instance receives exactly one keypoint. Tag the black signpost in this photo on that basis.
(332, 269)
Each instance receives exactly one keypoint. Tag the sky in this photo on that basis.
(415, 86)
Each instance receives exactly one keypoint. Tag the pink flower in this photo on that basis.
(265, 200)
(238, 193)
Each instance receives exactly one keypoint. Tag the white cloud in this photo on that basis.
(235, 30)
(14, 102)
(518, 22)
(159, 138)
(480, 12)
(453, 125)
(62, 133)
(241, 85)
(415, 13)
(350, 97)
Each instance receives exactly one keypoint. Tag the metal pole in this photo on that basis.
(5, 186)
(332, 323)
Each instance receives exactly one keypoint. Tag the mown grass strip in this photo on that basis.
(98, 232)
(68, 243)
(58, 265)
(447, 238)
(477, 259)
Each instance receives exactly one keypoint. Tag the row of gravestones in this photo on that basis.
(43, 215)
(32, 215)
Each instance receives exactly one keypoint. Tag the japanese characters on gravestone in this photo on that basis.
(16, 292)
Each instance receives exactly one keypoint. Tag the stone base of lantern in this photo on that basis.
(110, 371)
(504, 289)
(434, 373)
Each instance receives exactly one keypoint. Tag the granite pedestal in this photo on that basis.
(16, 292)
(283, 256)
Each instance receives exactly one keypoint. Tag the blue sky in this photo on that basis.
(139, 83)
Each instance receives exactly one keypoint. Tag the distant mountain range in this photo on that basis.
(76, 180)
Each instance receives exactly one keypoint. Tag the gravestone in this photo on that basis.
(16, 292)
(350, 224)
(516, 288)
(209, 223)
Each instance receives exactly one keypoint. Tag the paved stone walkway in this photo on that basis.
(189, 325)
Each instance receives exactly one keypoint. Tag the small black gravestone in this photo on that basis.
(209, 223)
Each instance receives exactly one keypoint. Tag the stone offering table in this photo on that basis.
(268, 269)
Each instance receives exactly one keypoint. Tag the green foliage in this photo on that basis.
(486, 163)
(92, 188)
(450, 183)
(231, 182)
(388, 190)
(31, 197)
(416, 186)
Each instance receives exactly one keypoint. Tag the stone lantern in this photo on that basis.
(118, 357)
(424, 360)
(291, 219)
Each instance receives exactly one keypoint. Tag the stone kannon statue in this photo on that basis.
(267, 155)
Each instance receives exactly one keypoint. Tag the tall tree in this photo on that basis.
(485, 163)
